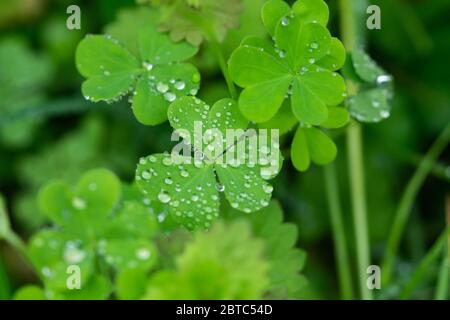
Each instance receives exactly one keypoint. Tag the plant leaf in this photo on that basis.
(244, 188)
(52, 252)
(301, 158)
(272, 12)
(337, 118)
(249, 65)
(190, 191)
(321, 148)
(365, 67)
(311, 11)
(335, 58)
(260, 102)
(123, 253)
(110, 68)
(157, 48)
(370, 105)
(159, 87)
(131, 284)
(303, 44)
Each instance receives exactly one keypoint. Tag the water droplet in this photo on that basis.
(46, 272)
(169, 96)
(72, 254)
(143, 254)
(314, 45)
(282, 54)
(168, 181)
(267, 188)
(78, 203)
(220, 187)
(311, 60)
(184, 173)
(285, 21)
(148, 66)
(163, 197)
(385, 114)
(383, 79)
(180, 85)
(162, 87)
(146, 175)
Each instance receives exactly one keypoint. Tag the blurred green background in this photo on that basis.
(47, 129)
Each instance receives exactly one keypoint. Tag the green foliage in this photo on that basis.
(284, 259)
(155, 76)
(198, 20)
(30, 292)
(372, 103)
(92, 230)
(207, 268)
(188, 185)
(299, 65)
(22, 71)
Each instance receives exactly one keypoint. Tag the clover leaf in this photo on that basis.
(91, 226)
(155, 76)
(225, 263)
(371, 104)
(191, 185)
(293, 78)
(292, 66)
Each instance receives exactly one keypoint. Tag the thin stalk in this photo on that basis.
(349, 15)
(404, 208)
(424, 266)
(339, 239)
(358, 199)
(223, 67)
(443, 278)
(443, 281)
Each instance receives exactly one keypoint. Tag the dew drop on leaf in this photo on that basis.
(163, 197)
(170, 96)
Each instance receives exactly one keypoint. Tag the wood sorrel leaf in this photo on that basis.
(312, 11)
(272, 12)
(370, 105)
(155, 74)
(338, 117)
(110, 68)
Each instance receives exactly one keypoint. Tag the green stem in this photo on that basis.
(8, 235)
(339, 240)
(358, 199)
(425, 265)
(223, 66)
(443, 278)
(350, 15)
(402, 213)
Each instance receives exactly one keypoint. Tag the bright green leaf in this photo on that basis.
(272, 12)
(311, 11)
(249, 65)
(337, 118)
(335, 58)
(110, 68)
(301, 158)
(29, 292)
(260, 102)
(321, 148)
(131, 284)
